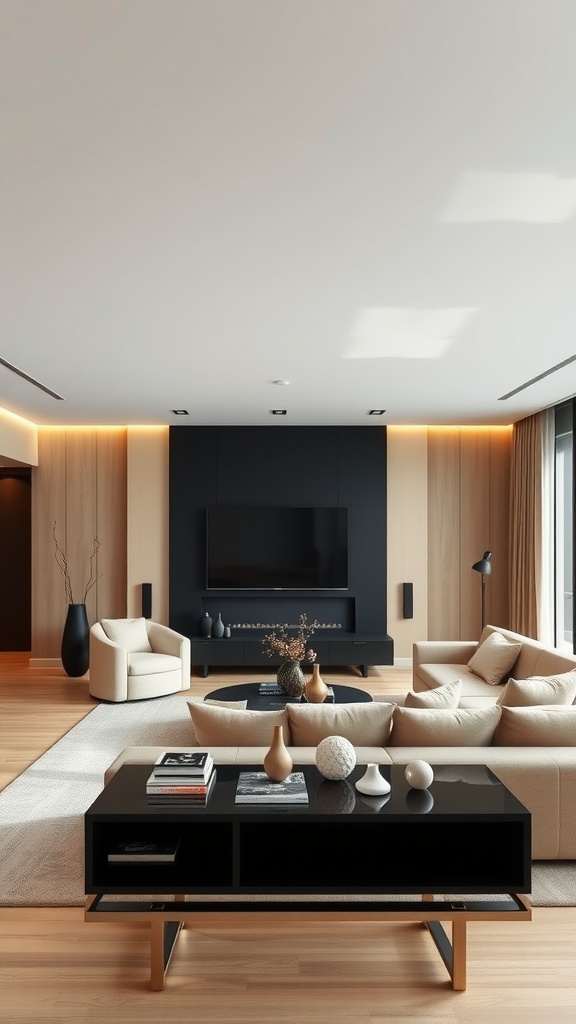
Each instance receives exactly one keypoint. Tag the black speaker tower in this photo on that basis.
(147, 600)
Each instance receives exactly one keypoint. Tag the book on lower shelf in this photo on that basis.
(257, 788)
(181, 794)
(143, 851)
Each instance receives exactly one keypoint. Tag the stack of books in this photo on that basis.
(273, 690)
(182, 778)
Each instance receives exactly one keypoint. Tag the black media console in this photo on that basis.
(357, 649)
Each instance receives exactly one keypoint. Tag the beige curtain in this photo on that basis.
(526, 525)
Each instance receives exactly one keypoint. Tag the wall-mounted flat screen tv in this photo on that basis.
(276, 548)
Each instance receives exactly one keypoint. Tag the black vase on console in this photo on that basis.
(218, 627)
(75, 650)
(205, 625)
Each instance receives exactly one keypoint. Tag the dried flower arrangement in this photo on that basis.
(62, 563)
(291, 648)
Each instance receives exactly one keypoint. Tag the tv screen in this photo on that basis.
(271, 548)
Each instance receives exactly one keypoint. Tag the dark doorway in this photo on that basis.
(15, 559)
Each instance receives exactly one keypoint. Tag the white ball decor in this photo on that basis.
(335, 757)
(419, 774)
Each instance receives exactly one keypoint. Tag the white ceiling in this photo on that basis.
(373, 199)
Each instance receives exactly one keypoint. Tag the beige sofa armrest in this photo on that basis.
(442, 652)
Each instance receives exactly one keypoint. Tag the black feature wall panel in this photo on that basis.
(279, 465)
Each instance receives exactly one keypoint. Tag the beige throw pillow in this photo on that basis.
(494, 658)
(229, 727)
(127, 633)
(447, 696)
(364, 725)
(558, 689)
(553, 726)
(461, 727)
(238, 705)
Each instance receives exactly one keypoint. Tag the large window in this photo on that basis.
(564, 526)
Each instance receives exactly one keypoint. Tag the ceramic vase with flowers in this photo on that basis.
(293, 649)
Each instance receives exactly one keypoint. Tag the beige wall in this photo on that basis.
(147, 542)
(18, 439)
(448, 496)
(407, 456)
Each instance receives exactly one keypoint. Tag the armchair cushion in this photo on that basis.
(144, 664)
(131, 634)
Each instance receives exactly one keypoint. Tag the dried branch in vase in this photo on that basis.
(62, 563)
(291, 647)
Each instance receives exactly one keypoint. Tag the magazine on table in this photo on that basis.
(257, 788)
(197, 763)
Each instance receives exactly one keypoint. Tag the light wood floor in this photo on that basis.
(56, 968)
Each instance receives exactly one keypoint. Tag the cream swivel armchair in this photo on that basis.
(132, 659)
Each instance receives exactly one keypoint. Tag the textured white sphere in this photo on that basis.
(419, 774)
(335, 757)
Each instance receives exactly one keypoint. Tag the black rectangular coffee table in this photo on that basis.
(457, 839)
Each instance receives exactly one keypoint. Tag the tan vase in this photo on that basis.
(277, 762)
(316, 689)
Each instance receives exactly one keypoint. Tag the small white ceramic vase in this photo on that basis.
(372, 782)
(419, 774)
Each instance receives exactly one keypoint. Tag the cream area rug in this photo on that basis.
(42, 811)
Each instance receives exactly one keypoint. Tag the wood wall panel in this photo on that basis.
(111, 459)
(474, 525)
(497, 587)
(48, 507)
(468, 500)
(80, 483)
(81, 525)
(444, 534)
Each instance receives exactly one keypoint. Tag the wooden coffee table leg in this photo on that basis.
(459, 954)
(163, 935)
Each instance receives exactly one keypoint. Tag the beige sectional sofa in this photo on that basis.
(517, 744)
(437, 662)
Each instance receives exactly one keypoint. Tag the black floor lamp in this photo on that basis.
(484, 566)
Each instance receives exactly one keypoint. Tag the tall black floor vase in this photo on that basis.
(75, 651)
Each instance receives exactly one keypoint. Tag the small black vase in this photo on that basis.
(75, 650)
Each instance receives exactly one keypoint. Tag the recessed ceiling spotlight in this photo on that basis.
(180, 412)
(278, 412)
(281, 383)
(377, 412)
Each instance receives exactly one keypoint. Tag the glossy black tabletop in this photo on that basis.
(261, 702)
(449, 794)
